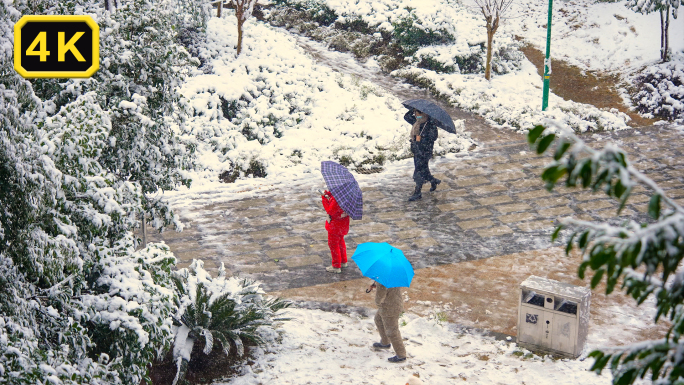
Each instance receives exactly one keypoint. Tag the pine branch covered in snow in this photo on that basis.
(646, 257)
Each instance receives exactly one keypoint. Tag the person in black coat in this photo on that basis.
(423, 136)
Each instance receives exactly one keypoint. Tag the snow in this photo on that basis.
(336, 347)
(182, 348)
(663, 91)
(595, 36)
(513, 100)
(552, 286)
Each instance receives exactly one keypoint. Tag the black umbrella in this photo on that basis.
(438, 115)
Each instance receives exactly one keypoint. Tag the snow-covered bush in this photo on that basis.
(143, 67)
(191, 22)
(142, 64)
(128, 308)
(409, 34)
(644, 258)
(661, 91)
(317, 10)
(219, 312)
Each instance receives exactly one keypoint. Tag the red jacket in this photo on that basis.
(337, 223)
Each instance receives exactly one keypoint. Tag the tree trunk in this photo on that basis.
(490, 39)
(664, 38)
(144, 231)
(491, 30)
(110, 5)
(239, 45)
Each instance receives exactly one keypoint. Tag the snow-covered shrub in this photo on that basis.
(468, 59)
(219, 312)
(142, 69)
(191, 21)
(507, 57)
(317, 10)
(142, 64)
(448, 59)
(409, 34)
(661, 91)
(129, 307)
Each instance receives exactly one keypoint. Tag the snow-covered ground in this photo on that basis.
(512, 99)
(595, 36)
(331, 348)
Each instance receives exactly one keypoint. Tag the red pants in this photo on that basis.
(338, 249)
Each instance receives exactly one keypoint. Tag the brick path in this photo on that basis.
(491, 202)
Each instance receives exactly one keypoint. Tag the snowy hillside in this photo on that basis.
(287, 113)
(595, 36)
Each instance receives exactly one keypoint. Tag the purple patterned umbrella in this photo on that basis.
(344, 188)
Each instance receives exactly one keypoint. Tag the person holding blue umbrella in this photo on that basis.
(390, 270)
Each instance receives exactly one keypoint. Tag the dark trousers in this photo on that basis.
(421, 173)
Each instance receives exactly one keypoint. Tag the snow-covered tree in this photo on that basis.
(493, 11)
(142, 68)
(645, 257)
(664, 7)
(142, 64)
(78, 303)
(243, 11)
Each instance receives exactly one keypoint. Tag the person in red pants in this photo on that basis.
(338, 227)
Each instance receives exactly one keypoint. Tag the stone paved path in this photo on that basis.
(491, 202)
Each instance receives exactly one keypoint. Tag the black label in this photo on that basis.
(51, 46)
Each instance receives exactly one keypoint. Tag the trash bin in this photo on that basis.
(553, 316)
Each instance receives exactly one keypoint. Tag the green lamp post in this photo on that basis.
(547, 61)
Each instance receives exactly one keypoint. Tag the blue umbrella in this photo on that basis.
(384, 263)
(438, 115)
(344, 188)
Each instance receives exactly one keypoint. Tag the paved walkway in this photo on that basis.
(491, 202)
(472, 242)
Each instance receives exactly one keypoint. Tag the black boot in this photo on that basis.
(416, 194)
(434, 184)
